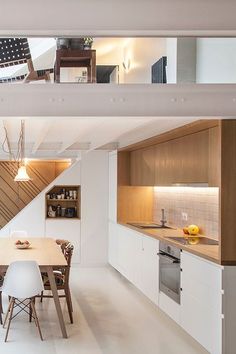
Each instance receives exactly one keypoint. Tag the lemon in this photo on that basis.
(193, 229)
(193, 240)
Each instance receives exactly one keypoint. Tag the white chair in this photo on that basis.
(19, 234)
(22, 283)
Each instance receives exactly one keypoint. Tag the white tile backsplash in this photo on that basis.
(200, 203)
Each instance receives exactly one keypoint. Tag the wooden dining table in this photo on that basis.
(46, 253)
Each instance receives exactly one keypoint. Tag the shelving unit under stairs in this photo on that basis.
(63, 202)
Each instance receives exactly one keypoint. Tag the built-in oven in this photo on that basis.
(169, 271)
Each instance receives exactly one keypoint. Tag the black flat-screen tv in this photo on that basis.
(159, 71)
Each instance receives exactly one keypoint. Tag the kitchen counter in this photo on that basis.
(209, 252)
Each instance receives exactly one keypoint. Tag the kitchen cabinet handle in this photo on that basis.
(169, 258)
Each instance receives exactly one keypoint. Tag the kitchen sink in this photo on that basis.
(148, 225)
(202, 240)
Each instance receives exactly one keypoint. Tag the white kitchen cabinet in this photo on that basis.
(128, 243)
(113, 186)
(169, 306)
(135, 256)
(113, 245)
(147, 267)
(208, 289)
(201, 301)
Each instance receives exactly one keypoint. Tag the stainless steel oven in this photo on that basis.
(169, 271)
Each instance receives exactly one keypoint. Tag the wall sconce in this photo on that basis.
(126, 64)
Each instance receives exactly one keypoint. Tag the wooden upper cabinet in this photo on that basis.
(142, 167)
(192, 158)
(182, 160)
(164, 164)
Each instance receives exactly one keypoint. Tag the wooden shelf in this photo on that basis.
(62, 217)
(63, 203)
(62, 200)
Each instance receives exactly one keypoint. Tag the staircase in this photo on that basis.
(15, 196)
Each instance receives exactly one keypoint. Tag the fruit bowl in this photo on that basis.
(22, 244)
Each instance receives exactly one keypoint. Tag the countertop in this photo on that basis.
(209, 252)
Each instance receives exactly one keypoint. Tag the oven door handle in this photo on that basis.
(169, 258)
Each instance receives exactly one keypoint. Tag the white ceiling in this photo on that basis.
(65, 137)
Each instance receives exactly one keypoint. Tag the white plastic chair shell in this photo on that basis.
(23, 280)
(19, 234)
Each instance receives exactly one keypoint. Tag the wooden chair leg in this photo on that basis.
(8, 312)
(70, 299)
(47, 76)
(69, 304)
(10, 317)
(36, 318)
(1, 310)
(41, 296)
(30, 311)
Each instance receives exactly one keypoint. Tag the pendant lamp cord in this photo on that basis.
(6, 146)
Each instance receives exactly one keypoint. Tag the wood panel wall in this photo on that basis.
(228, 192)
(134, 204)
(15, 196)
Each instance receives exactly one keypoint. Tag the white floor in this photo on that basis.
(111, 317)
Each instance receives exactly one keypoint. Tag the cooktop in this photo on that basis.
(201, 240)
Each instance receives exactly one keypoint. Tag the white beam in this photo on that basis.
(79, 146)
(110, 146)
(112, 18)
(85, 135)
(41, 136)
(185, 100)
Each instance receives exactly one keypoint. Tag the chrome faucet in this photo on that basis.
(163, 218)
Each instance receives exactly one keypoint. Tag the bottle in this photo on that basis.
(58, 211)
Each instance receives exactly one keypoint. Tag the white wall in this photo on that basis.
(90, 234)
(186, 60)
(181, 60)
(171, 53)
(216, 60)
(94, 201)
(143, 53)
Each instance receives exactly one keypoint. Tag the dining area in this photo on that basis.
(32, 270)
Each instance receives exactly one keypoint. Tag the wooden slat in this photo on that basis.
(15, 196)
